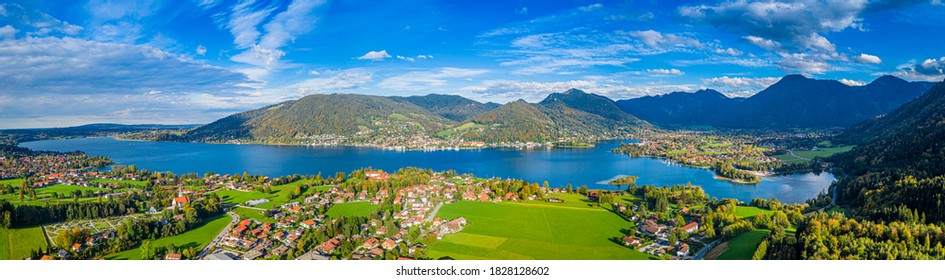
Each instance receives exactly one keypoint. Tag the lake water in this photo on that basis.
(591, 167)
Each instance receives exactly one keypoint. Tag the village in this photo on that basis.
(393, 222)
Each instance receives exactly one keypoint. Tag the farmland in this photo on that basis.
(532, 231)
(749, 211)
(17, 243)
(742, 247)
(351, 209)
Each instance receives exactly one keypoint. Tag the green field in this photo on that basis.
(749, 211)
(130, 182)
(17, 243)
(247, 213)
(806, 156)
(351, 209)
(196, 238)
(279, 195)
(45, 194)
(742, 247)
(12, 182)
(570, 200)
(512, 230)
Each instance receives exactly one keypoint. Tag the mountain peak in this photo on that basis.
(573, 91)
(794, 77)
(888, 79)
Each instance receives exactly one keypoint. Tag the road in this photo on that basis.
(212, 244)
(433, 214)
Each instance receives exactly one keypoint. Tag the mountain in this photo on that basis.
(681, 108)
(348, 115)
(88, 130)
(907, 142)
(590, 103)
(453, 107)
(514, 121)
(799, 102)
(888, 92)
(793, 102)
(570, 114)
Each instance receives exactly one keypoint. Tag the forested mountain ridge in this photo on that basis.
(892, 187)
(793, 102)
(703, 107)
(573, 115)
(453, 107)
(348, 115)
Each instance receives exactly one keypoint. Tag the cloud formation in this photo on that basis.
(867, 59)
(375, 55)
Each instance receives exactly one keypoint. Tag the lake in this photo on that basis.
(591, 166)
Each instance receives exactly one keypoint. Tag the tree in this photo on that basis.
(673, 237)
(146, 250)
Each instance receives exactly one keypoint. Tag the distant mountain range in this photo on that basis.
(793, 102)
(571, 114)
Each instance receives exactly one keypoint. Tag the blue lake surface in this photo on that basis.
(557, 166)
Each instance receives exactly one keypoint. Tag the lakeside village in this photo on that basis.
(742, 158)
(129, 213)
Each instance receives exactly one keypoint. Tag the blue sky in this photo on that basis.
(76, 62)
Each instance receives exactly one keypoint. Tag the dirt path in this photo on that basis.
(717, 251)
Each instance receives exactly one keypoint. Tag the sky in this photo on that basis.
(65, 63)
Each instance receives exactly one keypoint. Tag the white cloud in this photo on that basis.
(804, 63)
(375, 55)
(423, 56)
(675, 72)
(7, 32)
(533, 91)
(81, 81)
(69, 65)
(853, 83)
(420, 80)
(522, 11)
(243, 21)
(740, 86)
(333, 82)
(296, 20)
(931, 69)
(655, 39)
(867, 59)
(405, 58)
(729, 51)
(763, 43)
(201, 50)
(36, 22)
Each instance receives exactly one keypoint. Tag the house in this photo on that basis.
(179, 201)
(631, 241)
(252, 255)
(376, 175)
(690, 227)
(388, 244)
(683, 250)
(312, 256)
(45, 258)
(371, 243)
(173, 257)
(220, 256)
(469, 196)
(63, 254)
(308, 223)
(376, 252)
(381, 231)
(77, 247)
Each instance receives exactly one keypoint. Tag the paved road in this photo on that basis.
(204, 252)
(433, 214)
